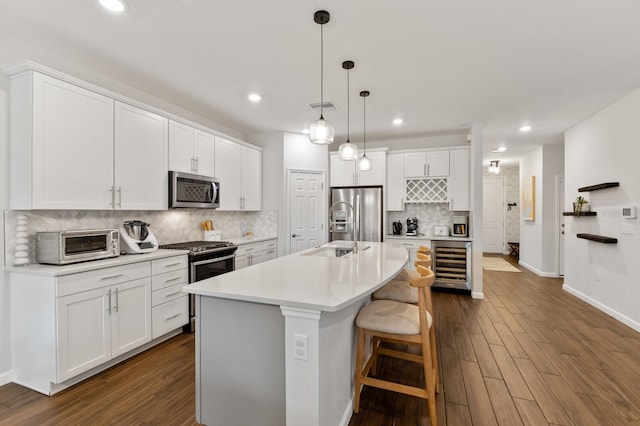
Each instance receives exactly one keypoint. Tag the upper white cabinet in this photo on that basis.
(429, 163)
(459, 180)
(141, 165)
(396, 184)
(72, 148)
(190, 150)
(346, 173)
(61, 145)
(239, 170)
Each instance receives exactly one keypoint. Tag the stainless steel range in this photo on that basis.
(206, 259)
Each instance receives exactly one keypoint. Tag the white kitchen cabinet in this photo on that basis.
(239, 170)
(396, 184)
(72, 148)
(412, 244)
(254, 253)
(61, 145)
(346, 173)
(190, 150)
(141, 159)
(426, 164)
(67, 327)
(458, 184)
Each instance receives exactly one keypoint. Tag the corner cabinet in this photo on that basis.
(73, 148)
(346, 173)
(190, 150)
(239, 169)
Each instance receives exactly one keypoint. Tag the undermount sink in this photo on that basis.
(334, 250)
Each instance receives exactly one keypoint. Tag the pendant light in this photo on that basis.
(364, 164)
(321, 131)
(494, 167)
(348, 150)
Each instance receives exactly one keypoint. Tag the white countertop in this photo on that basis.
(426, 237)
(310, 281)
(74, 268)
(242, 240)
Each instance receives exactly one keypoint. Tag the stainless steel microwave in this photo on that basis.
(64, 247)
(193, 191)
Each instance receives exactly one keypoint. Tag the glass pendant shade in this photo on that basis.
(364, 164)
(348, 151)
(321, 132)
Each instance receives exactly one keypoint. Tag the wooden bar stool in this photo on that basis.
(424, 250)
(390, 321)
(421, 259)
(399, 288)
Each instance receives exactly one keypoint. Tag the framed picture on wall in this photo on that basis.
(528, 198)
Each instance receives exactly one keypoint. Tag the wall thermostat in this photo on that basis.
(629, 212)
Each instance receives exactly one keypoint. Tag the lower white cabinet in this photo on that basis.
(254, 253)
(64, 326)
(412, 245)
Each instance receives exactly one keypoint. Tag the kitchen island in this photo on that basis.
(275, 342)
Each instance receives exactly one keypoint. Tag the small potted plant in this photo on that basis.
(580, 205)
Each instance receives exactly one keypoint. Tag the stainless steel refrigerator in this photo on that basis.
(370, 209)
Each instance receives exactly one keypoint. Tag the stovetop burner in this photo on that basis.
(199, 246)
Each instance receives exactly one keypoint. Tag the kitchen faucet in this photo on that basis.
(355, 218)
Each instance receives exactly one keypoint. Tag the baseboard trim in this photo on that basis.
(6, 377)
(538, 272)
(604, 308)
(477, 295)
(346, 415)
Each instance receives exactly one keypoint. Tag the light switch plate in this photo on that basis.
(626, 229)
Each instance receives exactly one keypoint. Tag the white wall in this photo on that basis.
(538, 237)
(5, 341)
(605, 148)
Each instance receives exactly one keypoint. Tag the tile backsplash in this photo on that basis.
(169, 226)
(428, 214)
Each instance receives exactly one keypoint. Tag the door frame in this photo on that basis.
(558, 225)
(323, 223)
(504, 212)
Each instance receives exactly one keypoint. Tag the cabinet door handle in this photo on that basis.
(197, 164)
(172, 279)
(172, 316)
(424, 168)
(170, 265)
(113, 196)
(120, 196)
(116, 307)
(173, 294)
(109, 277)
(192, 166)
(109, 302)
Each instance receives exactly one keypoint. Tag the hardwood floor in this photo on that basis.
(529, 354)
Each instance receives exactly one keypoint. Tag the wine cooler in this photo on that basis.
(452, 264)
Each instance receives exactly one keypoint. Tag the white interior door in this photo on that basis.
(307, 210)
(493, 214)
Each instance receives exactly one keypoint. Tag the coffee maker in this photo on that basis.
(397, 228)
(412, 226)
(460, 226)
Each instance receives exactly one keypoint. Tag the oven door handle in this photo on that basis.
(213, 260)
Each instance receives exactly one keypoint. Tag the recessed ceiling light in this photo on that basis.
(305, 131)
(525, 128)
(114, 5)
(397, 121)
(499, 149)
(254, 97)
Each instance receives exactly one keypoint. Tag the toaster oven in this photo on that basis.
(64, 247)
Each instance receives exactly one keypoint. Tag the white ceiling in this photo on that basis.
(439, 65)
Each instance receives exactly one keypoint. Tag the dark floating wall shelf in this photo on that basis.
(579, 214)
(598, 238)
(599, 186)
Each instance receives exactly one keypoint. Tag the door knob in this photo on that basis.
(562, 232)
(294, 235)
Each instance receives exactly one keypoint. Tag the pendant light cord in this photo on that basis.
(322, 71)
(364, 125)
(348, 108)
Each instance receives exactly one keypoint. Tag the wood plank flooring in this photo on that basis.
(528, 354)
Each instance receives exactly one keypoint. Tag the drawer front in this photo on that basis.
(271, 244)
(269, 254)
(160, 266)
(167, 294)
(248, 249)
(169, 316)
(167, 279)
(84, 281)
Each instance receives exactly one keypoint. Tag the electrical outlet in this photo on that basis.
(301, 347)
(626, 228)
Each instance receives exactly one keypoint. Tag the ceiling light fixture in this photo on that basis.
(499, 150)
(525, 128)
(364, 164)
(348, 150)
(321, 131)
(114, 5)
(305, 131)
(398, 121)
(254, 97)
(494, 167)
